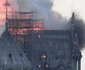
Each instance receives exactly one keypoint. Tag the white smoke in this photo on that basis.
(52, 20)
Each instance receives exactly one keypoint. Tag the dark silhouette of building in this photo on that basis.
(11, 55)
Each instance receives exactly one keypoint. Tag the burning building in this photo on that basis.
(23, 23)
(48, 49)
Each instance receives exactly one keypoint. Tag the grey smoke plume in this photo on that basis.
(80, 29)
(52, 20)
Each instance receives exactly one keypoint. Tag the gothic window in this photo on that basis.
(10, 56)
(21, 55)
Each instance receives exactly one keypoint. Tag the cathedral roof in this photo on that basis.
(11, 54)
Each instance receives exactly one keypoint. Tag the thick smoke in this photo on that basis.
(80, 29)
(52, 20)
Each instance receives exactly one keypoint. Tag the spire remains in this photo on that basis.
(73, 17)
(6, 4)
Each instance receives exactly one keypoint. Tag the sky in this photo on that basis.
(65, 8)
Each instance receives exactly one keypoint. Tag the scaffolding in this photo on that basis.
(21, 24)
